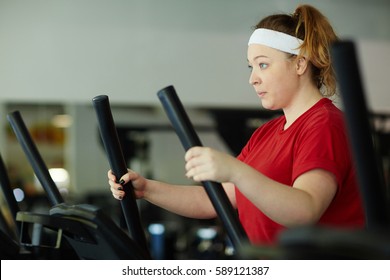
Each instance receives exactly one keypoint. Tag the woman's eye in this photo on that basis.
(250, 67)
(263, 65)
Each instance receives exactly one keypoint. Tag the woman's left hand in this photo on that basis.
(207, 164)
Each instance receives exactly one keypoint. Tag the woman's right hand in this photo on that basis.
(138, 182)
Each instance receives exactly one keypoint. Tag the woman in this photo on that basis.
(296, 169)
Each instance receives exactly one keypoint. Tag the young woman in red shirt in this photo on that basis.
(296, 169)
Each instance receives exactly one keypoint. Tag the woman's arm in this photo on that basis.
(188, 201)
(303, 203)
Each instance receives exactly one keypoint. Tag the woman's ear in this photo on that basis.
(301, 65)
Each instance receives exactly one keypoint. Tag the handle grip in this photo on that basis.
(360, 134)
(8, 194)
(34, 157)
(118, 166)
(188, 137)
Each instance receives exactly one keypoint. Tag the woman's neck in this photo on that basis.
(300, 105)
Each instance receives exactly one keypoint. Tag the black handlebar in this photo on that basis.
(118, 166)
(360, 131)
(34, 157)
(188, 137)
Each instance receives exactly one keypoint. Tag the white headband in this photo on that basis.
(276, 40)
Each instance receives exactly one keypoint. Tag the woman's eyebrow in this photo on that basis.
(258, 56)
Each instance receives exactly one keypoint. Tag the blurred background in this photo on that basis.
(56, 55)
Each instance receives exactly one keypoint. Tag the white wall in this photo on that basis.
(73, 50)
(374, 63)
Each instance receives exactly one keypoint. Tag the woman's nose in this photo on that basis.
(253, 78)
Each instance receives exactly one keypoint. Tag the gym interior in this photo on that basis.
(57, 56)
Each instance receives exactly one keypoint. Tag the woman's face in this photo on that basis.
(273, 76)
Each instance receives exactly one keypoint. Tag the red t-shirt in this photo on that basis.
(317, 139)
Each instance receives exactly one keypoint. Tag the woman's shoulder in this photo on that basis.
(326, 112)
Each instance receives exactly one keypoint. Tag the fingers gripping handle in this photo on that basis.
(118, 166)
(188, 137)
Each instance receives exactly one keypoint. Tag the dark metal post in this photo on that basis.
(118, 166)
(33, 155)
(360, 134)
(188, 137)
(8, 194)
